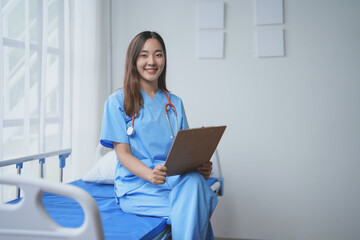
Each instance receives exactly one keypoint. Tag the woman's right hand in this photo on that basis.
(137, 167)
(158, 174)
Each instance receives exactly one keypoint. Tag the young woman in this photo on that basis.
(136, 125)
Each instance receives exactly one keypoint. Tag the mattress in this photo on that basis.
(116, 223)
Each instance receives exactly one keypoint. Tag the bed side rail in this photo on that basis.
(28, 218)
(63, 154)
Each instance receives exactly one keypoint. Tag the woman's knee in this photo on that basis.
(188, 180)
(194, 179)
(194, 176)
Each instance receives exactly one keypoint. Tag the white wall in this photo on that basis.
(290, 155)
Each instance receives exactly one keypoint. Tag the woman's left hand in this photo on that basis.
(205, 169)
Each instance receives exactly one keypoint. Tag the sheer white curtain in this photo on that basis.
(34, 83)
(90, 74)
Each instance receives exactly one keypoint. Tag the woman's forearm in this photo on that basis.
(131, 163)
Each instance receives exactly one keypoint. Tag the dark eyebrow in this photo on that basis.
(146, 51)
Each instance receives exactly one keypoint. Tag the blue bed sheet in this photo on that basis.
(116, 223)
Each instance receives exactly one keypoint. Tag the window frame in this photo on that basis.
(62, 52)
(43, 51)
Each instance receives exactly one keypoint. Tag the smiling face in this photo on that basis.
(150, 62)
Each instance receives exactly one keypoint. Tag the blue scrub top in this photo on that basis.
(152, 139)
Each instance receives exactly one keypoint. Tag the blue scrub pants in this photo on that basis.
(187, 200)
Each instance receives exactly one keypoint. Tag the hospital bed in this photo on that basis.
(83, 209)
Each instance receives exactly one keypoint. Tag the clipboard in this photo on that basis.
(191, 148)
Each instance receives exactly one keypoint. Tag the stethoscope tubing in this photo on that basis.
(130, 131)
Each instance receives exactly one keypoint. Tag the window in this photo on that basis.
(34, 78)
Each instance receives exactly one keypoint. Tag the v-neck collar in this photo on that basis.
(152, 100)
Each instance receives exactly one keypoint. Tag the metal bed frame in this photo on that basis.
(17, 224)
(18, 162)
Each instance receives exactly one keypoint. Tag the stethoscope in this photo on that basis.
(130, 130)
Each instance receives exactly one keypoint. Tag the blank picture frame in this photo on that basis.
(270, 42)
(211, 15)
(269, 12)
(211, 44)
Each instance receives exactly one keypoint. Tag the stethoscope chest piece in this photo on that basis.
(130, 131)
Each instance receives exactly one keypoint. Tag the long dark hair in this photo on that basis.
(133, 100)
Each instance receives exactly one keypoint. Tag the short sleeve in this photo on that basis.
(113, 127)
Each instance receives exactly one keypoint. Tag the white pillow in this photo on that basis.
(103, 172)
